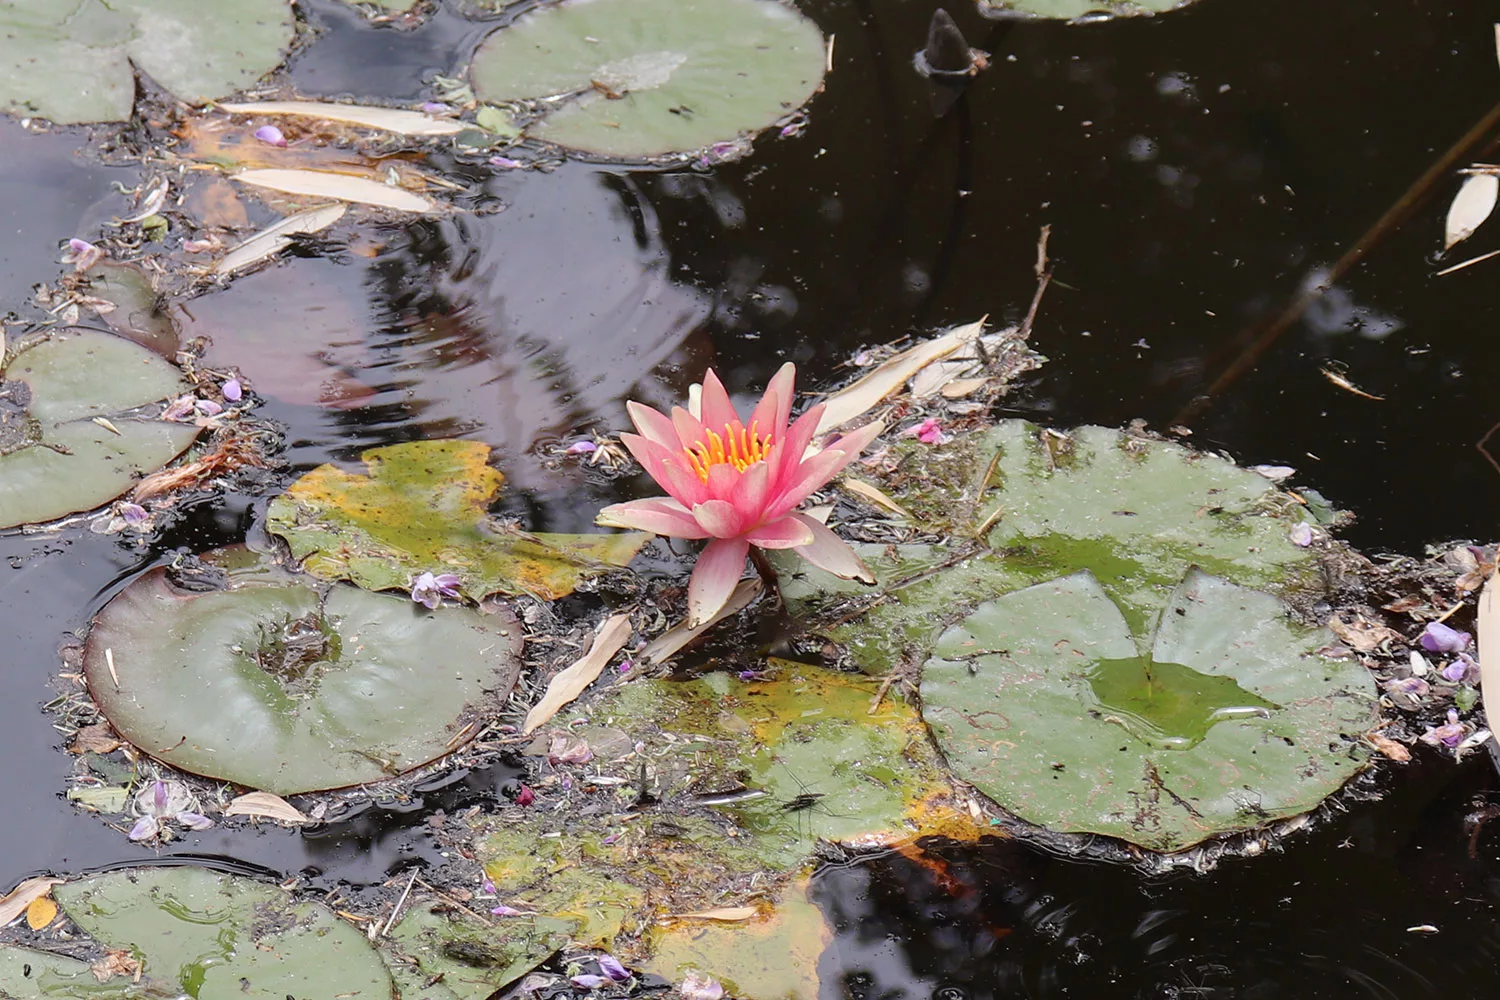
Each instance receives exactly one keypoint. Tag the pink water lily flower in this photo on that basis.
(738, 485)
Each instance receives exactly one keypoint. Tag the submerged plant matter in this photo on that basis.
(738, 485)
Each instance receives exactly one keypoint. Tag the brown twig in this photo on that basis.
(1043, 279)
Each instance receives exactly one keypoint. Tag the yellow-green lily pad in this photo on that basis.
(422, 508)
(644, 78)
(279, 682)
(71, 437)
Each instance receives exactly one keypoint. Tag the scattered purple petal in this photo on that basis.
(208, 407)
(429, 590)
(1449, 734)
(159, 797)
(525, 796)
(194, 821)
(567, 750)
(506, 163)
(1439, 638)
(232, 390)
(145, 828)
(1462, 670)
(505, 911)
(131, 513)
(581, 448)
(929, 431)
(82, 254)
(1301, 534)
(435, 108)
(696, 986)
(1414, 687)
(612, 968)
(271, 136)
(612, 839)
(587, 981)
(487, 887)
(626, 666)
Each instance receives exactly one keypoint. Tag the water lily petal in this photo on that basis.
(668, 468)
(798, 437)
(803, 481)
(787, 533)
(687, 428)
(612, 968)
(653, 424)
(1440, 638)
(145, 828)
(720, 519)
(658, 515)
(194, 821)
(857, 440)
(588, 981)
(750, 494)
(719, 567)
(716, 411)
(775, 407)
(830, 552)
(723, 480)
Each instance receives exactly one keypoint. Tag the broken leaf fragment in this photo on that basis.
(645, 78)
(55, 456)
(281, 684)
(1076, 10)
(423, 507)
(72, 62)
(1471, 206)
(1221, 720)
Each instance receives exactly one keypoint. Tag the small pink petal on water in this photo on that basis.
(1301, 534)
(581, 448)
(271, 136)
(233, 391)
(506, 163)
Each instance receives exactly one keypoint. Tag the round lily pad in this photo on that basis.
(278, 682)
(71, 61)
(643, 78)
(1222, 720)
(1072, 10)
(66, 443)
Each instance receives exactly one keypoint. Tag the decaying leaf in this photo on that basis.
(1471, 206)
(728, 914)
(267, 806)
(40, 912)
(271, 240)
(875, 495)
(674, 639)
(98, 738)
(413, 123)
(867, 393)
(1389, 747)
(1362, 635)
(344, 187)
(15, 902)
(574, 680)
(116, 962)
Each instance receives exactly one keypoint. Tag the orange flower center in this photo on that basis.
(738, 446)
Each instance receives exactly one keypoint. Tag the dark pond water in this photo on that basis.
(1196, 169)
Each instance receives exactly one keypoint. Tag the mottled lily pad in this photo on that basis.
(1228, 720)
(67, 439)
(743, 778)
(71, 61)
(1074, 10)
(279, 682)
(198, 933)
(468, 959)
(643, 78)
(422, 509)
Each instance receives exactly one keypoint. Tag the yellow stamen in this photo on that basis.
(739, 446)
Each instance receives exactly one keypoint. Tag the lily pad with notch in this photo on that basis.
(70, 434)
(636, 79)
(1226, 719)
(277, 681)
(71, 62)
(423, 508)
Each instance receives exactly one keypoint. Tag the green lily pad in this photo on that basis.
(1228, 720)
(471, 959)
(222, 937)
(29, 974)
(281, 683)
(1071, 10)
(422, 509)
(71, 61)
(645, 78)
(55, 457)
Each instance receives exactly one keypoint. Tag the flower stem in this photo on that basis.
(766, 570)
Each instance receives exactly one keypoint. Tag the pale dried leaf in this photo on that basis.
(1471, 206)
(15, 902)
(935, 376)
(40, 912)
(667, 645)
(344, 187)
(273, 238)
(1488, 639)
(728, 914)
(888, 377)
(97, 738)
(959, 388)
(388, 119)
(874, 495)
(1392, 749)
(116, 963)
(1361, 635)
(574, 680)
(267, 806)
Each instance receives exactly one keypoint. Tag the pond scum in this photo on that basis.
(1095, 639)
